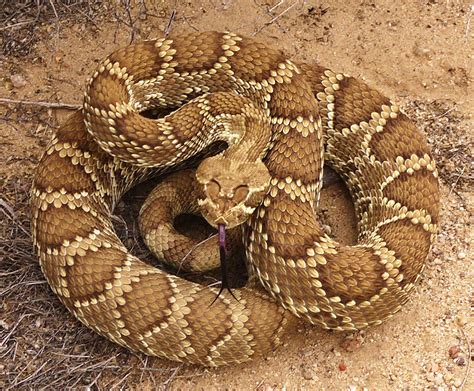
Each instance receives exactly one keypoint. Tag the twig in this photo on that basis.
(5, 207)
(57, 19)
(167, 383)
(53, 105)
(11, 26)
(54, 9)
(469, 351)
(8, 208)
(192, 249)
(126, 4)
(13, 329)
(456, 182)
(274, 19)
(186, 19)
(281, 14)
(445, 113)
(468, 23)
(170, 22)
(83, 14)
(276, 5)
(122, 380)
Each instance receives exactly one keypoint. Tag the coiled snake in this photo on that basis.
(265, 107)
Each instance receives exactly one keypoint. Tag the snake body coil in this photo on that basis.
(103, 150)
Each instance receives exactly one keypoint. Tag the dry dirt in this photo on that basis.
(420, 53)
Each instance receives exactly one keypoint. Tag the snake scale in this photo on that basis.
(267, 108)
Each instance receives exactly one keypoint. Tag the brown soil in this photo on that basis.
(419, 53)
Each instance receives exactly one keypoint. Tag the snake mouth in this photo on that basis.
(221, 221)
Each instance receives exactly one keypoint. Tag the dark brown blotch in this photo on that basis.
(419, 190)
(400, 137)
(354, 103)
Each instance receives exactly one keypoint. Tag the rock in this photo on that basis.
(460, 360)
(38, 322)
(18, 81)
(308, 372)
(327, 229)
(439, 380)
(351, 344)
(4, 325)
(454, 351)
(420, 51)
(460, 320)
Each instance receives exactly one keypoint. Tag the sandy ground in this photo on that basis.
(420, 53)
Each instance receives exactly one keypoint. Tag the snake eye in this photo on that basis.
(240, 193)
(212, 189)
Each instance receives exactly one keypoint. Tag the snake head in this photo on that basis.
(230, 190)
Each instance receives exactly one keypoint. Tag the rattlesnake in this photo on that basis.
(103, 150)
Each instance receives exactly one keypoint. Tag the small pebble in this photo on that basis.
(454, 351)
(421, 51)
(4, 324)
(438, 380)
(308, 372)
(18, 81)
(77, 349)
(460, 321)
(342, 367)
(350, 344)
(461, 255)
(327, 229)
(460, 360)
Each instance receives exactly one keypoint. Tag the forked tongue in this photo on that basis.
(222, 253)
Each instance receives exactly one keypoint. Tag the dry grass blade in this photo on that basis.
(52, 105)
(469, 355)
(275, 18)
(170, 22)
